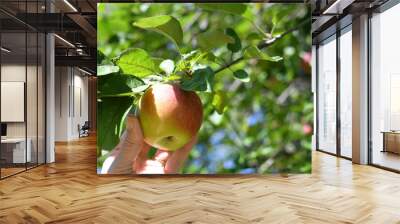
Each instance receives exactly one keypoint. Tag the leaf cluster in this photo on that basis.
(144, 44)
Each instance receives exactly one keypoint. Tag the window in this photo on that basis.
(327, 95)
(385, 89)
(346, 92)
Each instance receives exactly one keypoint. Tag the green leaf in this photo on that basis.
(191, 55)
(232, 8)
(239, 9)
(157, 61)
(184, 63)
(212, 39)
(167, 66)
(153, 79)
(173, 77)
(106, 69)
(237, 45)
(253, 52)
(275, 20)
(140, 89)
(111, 113)
(201, 80)
(166, 25)
(136, 62)
(193, 59)
(117, 84)
(201, 57)
(242, 75)
(209, 56)
(219, 101)
(152, 152)
(254, 38)
(100, 57)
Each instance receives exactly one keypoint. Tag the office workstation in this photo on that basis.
(16, 149)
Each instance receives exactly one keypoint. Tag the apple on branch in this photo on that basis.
(170, 117)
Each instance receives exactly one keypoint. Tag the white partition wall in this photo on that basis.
(71, 102)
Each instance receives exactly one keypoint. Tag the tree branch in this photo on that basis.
(264, 44)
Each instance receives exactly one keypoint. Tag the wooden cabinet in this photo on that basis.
(391, 142)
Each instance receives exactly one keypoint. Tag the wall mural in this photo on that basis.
(204, 88)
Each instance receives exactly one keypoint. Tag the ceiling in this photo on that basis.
(74, 22)
(327, 13)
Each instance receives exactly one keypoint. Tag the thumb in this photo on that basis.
(132, 139)
(133, 132)
(131, 144)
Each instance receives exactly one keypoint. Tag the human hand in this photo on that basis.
(131, 154)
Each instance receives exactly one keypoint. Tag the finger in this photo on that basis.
(141, 159)
(151, 167)
(132, 138)
(143, 155)
(108, 162)
(178, 158)
(123, 158)
(132, 141)
(115, 152)
(162, 156)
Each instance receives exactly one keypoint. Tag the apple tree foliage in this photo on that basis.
(247, 62)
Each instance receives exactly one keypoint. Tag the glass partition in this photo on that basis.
(41, 86)
(385, 89)
(32, 95)
(22, 88)
(35, 87)
(13, 103)
(327, 95)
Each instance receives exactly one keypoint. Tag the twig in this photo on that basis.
(264, 44)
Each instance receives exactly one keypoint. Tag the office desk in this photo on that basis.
(391, 141)
(13, 150)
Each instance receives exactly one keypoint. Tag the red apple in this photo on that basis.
(306, 62)
(307, 129)
(169, 116)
